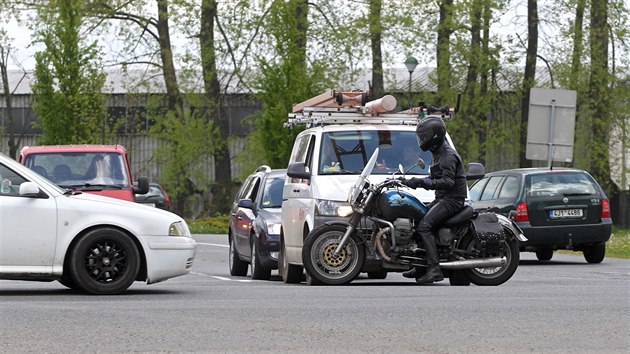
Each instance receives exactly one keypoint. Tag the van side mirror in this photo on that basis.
(475, 171)
(143, 186)
(298, 170)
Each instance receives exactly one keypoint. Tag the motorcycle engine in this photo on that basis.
(404, 232)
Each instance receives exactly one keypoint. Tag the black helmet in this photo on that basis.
(431, 132)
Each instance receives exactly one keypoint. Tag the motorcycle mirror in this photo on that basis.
(421, 163)
(401, 169)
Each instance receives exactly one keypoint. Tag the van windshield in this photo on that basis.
(347, 152)
(81, 169)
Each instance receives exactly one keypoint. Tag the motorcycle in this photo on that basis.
(477, 247)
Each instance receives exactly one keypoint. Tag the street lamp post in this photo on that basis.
(411, 64)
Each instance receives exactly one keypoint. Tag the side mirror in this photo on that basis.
(143, 186)
(298, 170)
(29, 189)
(245, 203)
(475, 171)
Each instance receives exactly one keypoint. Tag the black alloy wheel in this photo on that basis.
(105, 261)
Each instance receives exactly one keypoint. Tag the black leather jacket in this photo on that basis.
(447, 173)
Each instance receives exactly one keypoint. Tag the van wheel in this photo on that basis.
(104, 262)
(544, 254)
(290, 273)
(595, 253)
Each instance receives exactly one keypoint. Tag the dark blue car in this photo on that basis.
(254, 229)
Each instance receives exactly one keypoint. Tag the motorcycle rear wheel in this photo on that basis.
(318, 259)
(493, 275)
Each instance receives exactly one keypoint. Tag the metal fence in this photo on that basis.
(141, 150)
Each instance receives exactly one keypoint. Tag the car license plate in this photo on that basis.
(565, 213)
(150, 204)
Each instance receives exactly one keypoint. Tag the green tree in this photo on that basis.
(286, 79)
(67, 91)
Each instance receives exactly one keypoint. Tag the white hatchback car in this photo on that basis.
(97, 244)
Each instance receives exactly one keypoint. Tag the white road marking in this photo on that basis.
(212, 244)
(230, 279)
(222, 278)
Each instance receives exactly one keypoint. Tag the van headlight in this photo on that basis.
(333, 208)
(178, 229)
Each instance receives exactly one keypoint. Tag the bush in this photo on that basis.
(209, 225)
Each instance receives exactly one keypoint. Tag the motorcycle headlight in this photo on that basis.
(333, 208)
(273, 228)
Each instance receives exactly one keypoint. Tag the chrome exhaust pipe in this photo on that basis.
(475, 263)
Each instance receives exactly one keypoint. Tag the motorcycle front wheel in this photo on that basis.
(493, 275)
(320, 262)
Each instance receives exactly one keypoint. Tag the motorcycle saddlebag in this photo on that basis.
(488, 231)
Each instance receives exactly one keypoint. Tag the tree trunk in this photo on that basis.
(599, 94)
(530, 74)
(468, 145)
(578, 37)
(222, 189)
(375, 41)
(301, 39)
(445, 30)
(4, 56)
(174, 98)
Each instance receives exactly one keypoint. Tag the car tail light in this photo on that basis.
(521, 212)
(605, 208)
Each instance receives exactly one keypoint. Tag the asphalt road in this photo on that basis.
(564, 305)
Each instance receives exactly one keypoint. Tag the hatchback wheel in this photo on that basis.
(595, 253)
(104, 262)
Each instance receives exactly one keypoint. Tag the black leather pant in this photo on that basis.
(440, 211)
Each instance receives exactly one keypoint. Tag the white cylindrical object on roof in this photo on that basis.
(383, 104)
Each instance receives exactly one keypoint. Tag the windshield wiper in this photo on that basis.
(71, 191)
(90, 186)
(576, 194)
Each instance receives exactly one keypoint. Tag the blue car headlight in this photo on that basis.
(273, 228)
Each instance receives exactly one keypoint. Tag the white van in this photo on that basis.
(326, 161)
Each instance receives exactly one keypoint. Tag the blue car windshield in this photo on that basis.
(347, 152)
(272, 194)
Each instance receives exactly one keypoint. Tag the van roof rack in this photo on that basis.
(336, 107)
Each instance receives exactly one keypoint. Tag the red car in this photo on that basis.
(98, 169)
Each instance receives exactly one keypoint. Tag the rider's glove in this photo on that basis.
(412, 182)
(425, 183)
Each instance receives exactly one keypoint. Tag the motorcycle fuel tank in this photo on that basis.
(393, 204)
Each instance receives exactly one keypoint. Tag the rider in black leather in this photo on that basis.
(448, 179)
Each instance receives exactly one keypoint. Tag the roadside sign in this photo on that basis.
(551, 125)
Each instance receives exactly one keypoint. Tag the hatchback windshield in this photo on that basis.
(78, 169)
(347, 152)
(554, 184)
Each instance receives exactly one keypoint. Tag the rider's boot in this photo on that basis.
(410, 273)
(433, 273)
